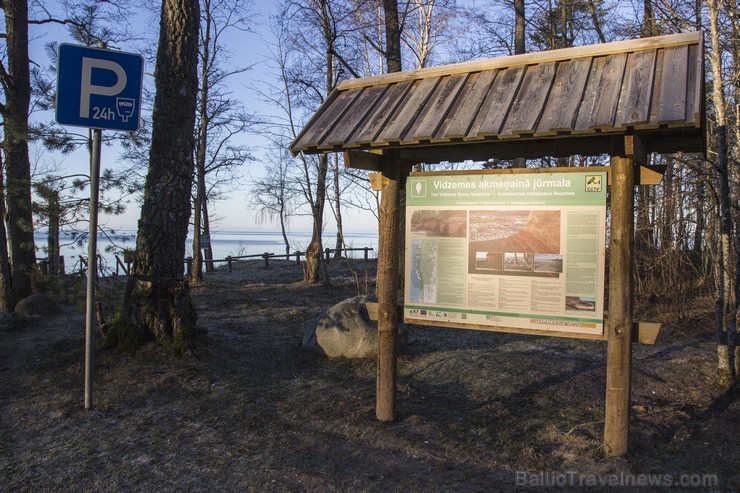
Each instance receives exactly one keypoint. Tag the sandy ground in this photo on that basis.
(248, 410)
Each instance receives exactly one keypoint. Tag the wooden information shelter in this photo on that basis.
(626, 99)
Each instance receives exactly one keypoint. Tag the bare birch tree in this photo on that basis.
(219, 117)
(725, 310)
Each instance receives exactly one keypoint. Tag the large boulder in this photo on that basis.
(37, 305)
(344, 330)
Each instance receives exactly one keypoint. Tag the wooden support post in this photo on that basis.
(366, 254)
(228, 263)
(387, 282)
(266, 256)
(619, 324)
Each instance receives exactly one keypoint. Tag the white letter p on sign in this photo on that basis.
(87, 88)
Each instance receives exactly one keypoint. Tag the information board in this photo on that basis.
(523, 251)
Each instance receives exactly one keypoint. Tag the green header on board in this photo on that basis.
(577, 188)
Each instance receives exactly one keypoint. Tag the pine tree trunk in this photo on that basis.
(18, 168)
(157, 303)
(52, 237)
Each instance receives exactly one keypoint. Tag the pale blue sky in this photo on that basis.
(247, 49)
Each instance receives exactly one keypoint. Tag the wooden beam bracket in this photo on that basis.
(635, 149)
(367, 160)
(651, 175)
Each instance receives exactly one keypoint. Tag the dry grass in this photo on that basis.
(249, 411)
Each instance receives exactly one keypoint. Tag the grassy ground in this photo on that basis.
(249, 411)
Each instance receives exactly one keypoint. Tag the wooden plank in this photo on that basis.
(530, 100)
(458, 120)
(678, 142)
(508, 330)
(585, 144)
(588, 51)
(379, 114)
(643, 332)
(296, 146)
(635, 106)
(405, 114)
(497, 103)
(590, 95)
(354, 117)
(694, 89)
(326, 120)
(509, 149)
(672, 106)
(562, 106)
(608, 92)
(655, 99)
(436, 108)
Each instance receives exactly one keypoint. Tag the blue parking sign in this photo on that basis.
(99, 88)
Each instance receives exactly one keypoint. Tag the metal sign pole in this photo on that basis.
(92, 265)
(99, 89)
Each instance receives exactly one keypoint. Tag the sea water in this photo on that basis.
(224, 243)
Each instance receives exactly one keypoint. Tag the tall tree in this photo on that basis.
(6, 288)
(392, 36)
(520, 34)
(219, 117)
(426, 25)
(16, 84)
(726, 311)
(310, 38)
(157, 304)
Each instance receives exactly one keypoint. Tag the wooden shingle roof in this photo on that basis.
(560, 102)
